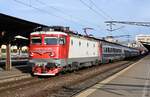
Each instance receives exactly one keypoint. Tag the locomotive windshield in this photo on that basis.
(36, 40)
(54, 40)
(51, 40)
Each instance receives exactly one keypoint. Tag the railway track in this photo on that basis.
(63, 85)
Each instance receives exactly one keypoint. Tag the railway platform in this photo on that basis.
(134, 81)
(16, 73)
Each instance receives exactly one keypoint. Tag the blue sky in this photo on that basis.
(75, 14)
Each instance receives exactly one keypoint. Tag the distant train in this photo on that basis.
(57, 49)
(16, 54)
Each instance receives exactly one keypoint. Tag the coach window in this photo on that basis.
(106, 49)
(93, 45)
(87, 44)
(120, 51)
(71, 42)
(79, 43)
(93, 53)
(116, 50)
(113, 50)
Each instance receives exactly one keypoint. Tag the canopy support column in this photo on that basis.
(8, 64)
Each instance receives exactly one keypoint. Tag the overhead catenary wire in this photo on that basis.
(92, 9)
(47, 12)
(95, 11)
(67, 14)
(52, 7)
(100, 10)
(51, 14)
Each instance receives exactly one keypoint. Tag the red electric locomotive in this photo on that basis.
(54, 50)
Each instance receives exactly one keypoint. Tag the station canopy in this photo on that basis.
(10, 27)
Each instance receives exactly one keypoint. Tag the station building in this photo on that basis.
(143, 38)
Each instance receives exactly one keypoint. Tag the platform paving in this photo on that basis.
(16, 73)
(133, 81)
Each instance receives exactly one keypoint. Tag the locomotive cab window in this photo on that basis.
(51, 40)
(62, 40)
(54, 40)
(36, 40)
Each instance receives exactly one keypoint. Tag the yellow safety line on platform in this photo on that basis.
(102, 83)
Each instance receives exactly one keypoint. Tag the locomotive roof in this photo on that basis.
(48, 32)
